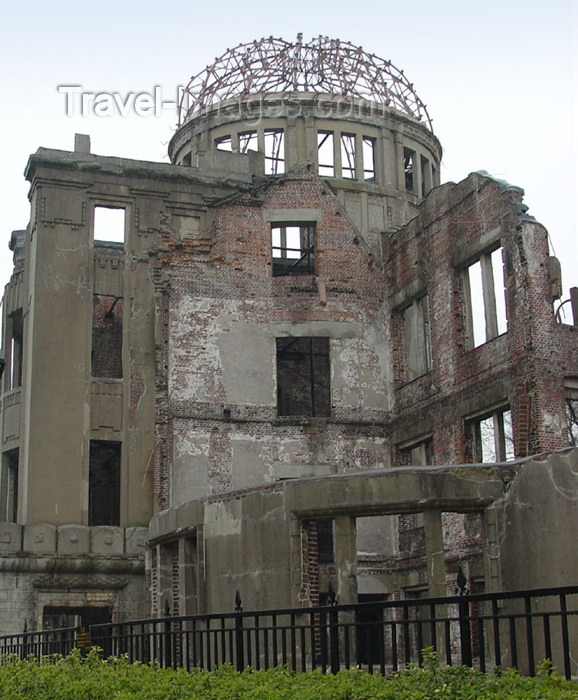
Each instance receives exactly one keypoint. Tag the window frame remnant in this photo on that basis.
(303, 376)
(572, 410)
(326, 153)
(112, 225)
(107, 337)
(348, 151)
(368, 153)
(248, 141)
(485, 297)
(491, 436)
(416, 453)
(9, 486)
(409, 169)
(417, 331)
(274, 149)
(289, 255)
(104, 482)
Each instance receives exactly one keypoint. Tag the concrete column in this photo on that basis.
(359, 175)
(434, 547)
(200, 571)
(187, 587)
(399, 176)
(310, 140)
(491, 540)
(417, 174)
(294, 143)
(385, 170)
(489, 293)
(337, 153)
(345, 545)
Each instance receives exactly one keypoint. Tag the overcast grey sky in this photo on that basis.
(499, 80)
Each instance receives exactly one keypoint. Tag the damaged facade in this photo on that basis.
(264, 372)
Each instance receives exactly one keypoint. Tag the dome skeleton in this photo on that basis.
(323, 66)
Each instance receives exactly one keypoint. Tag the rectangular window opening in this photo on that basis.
(499, 290)
(486, 297)
(109, 224)
(303, 372)
(55, 617)
(107, 334)
(572, 412)
(16, 350)
(348, 156)
(325, 541)
(9, 487)
(248, 141)
(325, 154)
(224, 143)
(492, 437)
(293, 247)
(104, 483)
(417, 338)
(274, 152)
(417, 454)
(409, 169)
(368, 159)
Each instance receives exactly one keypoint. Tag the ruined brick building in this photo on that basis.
(260, 366)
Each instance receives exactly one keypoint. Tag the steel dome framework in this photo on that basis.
(323, 66)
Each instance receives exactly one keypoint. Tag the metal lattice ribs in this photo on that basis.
(323, 66)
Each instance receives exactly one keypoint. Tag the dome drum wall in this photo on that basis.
(359, 145)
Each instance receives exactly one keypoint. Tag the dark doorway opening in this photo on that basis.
(369, 619)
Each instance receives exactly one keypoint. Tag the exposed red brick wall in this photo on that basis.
(234, 265)
(530, 360)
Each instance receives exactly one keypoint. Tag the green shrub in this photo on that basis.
(92, 678)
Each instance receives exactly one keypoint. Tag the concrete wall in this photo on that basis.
(70, 566)
(260, 541)
(538, 516)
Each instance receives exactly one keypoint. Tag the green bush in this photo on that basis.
(92, 678)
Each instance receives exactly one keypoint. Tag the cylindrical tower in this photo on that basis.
(351, 115)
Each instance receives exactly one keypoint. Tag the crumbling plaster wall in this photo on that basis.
(226, 310)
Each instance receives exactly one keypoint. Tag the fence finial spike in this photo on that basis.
(238, 607)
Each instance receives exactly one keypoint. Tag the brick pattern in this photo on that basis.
(233, 277)
(529, 362)
(309, 590)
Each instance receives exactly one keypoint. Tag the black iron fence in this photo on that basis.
(486, 631)
(41, 644)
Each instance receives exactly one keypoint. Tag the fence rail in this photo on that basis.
(518, 629)
(39, 644)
